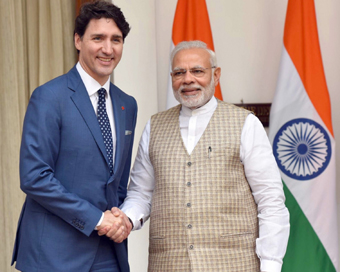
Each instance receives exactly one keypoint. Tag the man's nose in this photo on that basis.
(188, 77)
(107, 48)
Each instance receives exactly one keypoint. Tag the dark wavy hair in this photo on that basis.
(97, 10)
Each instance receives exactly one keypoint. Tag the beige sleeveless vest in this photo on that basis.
(203, 215)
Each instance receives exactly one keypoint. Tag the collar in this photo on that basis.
(208, 107)
(91, 85)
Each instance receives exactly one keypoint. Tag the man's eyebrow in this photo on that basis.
(97, 35)
(194, 67)
(104, 35)
(116, 36)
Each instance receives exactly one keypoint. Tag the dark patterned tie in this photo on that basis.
(104, 124)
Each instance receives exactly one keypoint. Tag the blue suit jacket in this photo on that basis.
(64, 172)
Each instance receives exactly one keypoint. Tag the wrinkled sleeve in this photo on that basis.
(264, 179)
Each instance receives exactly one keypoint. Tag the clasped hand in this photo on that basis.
(115, 225)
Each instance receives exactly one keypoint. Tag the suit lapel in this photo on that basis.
(83, 103)
(119, 117)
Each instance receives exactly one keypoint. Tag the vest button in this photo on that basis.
(191, 247)
(189, 205)
(189, 183)
(189, 163)
(189, 226)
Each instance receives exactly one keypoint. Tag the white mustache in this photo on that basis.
(182, 87)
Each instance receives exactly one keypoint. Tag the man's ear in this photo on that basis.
(77, 41)
(217, 74)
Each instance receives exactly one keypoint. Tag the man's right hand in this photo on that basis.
(113, 226)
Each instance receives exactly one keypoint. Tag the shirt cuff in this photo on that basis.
(137, 220)
(137, 224)
(270, 266)
(136, 217)
(100, 221)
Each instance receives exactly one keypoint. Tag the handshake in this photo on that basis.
(115, 225)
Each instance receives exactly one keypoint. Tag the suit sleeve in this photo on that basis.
(38, 155)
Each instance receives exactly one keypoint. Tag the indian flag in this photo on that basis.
(191, 22)
(303, 144)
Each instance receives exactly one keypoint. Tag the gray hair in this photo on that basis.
(193, 44)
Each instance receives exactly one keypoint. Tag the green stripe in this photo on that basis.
(305, 252)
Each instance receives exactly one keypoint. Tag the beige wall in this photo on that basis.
(248, 42)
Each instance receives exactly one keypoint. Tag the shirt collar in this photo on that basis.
(210, 106)
(91, 85)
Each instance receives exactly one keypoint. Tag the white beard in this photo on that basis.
(197, 100)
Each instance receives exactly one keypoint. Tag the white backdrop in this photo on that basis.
(248, 38)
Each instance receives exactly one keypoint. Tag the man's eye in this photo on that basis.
(179, 73)
(197, 72)
(96, 38)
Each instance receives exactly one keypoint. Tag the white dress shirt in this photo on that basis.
(92, 86)
(260, 169)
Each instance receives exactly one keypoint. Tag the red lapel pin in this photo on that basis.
(123, 108)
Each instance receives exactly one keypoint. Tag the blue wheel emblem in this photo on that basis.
(302, 149)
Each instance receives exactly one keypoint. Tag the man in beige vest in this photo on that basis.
(206, 177)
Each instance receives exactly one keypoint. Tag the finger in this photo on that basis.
(128, 225)
(120, 229)
(113, 209)
(113, 231)
(118, 238)
(123, 237)
(103, 231)
(116, 212)
(119, 235)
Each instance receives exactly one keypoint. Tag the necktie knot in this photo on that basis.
(101, 92)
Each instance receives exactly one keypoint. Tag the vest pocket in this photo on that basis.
(160, 237)
(237, 240)
(157, 244)
(224, 235)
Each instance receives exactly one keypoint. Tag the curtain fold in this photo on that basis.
(50, 27)
(36, 45)
(13, 98)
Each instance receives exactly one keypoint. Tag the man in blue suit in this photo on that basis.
(74, 169)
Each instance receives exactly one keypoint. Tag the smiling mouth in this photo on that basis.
(105, 59)
(190, 91)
